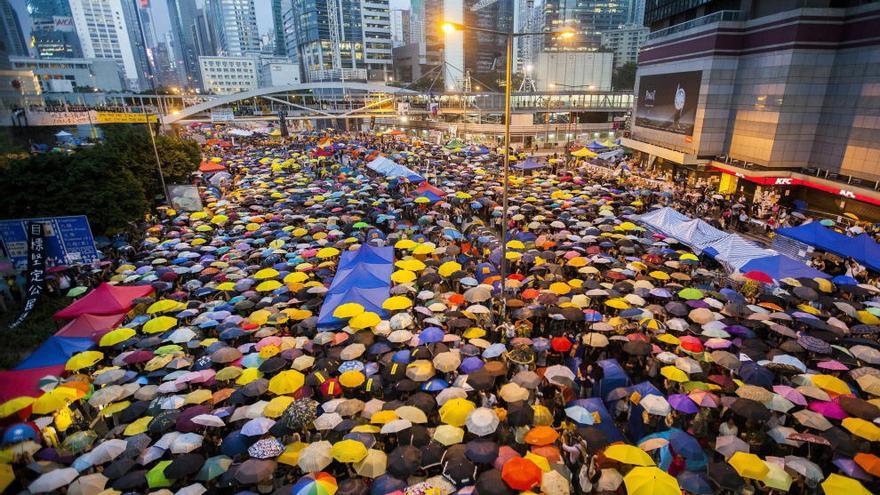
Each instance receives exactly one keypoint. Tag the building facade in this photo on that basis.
(278, 27)
(341, 39)
(234, 25)
(573, 71)
(400, 27)
(762, 85)
(589, 18)
(624, 42)
(53, 33)
(227, 75)
(72, 74)
(104, 33)
(11, 32)
(478, 54)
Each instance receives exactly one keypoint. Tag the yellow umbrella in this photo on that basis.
(867, 318)
(560, 288)
(268, 286)
(114, 408)
(657, 274)
(83, 360)
(837, 484)
(383, 417)
(55, 399)
(286, 382)
(114, 337)
(348, 310)
(298, 314)
(824, 284)
(165, 306)
(674, 374)
(650, 481)
(247, 375)
(423, 249)
(540, 461)
(617, 304)
(411, 264)
(403, 276)
(748, 465)
(295, 278)
(348, 451)
(515, 244)
(291, 453)
(628, 454)
(352, 379)
(448, 435)
(577, 262)
(198, 396)
(861, 428)
(447, 269)
(160, 324)
(226, 286)
(668, 339)
(830, 383)
(397, 303)
(277, 406)
(422, 200)
(405, 244)
(327, 252)
(364, 320)
(266, 273)
(216, 219)
(137, 426)
(455, 411)
(12, 406)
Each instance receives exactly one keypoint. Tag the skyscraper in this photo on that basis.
(278, 27)
(183, 15)
(590, 18)
(400, 27)
(104, 29)
(480, 54)
(13, 38)
(234, 24)
(53, 34)
(342, 39)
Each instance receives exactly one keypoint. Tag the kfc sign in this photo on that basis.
(783, 181)
(847, 194)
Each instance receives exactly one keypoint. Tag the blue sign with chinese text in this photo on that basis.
(68, 240)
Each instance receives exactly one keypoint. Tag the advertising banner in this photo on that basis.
(185, 197)
(68, 240)
(123, 118)
(668, 102)
(222, 115)
(36, 266)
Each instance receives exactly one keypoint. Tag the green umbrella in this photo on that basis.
(167, 349)
(77, 291)
(827, 222)
(690, 294)
(361, 225)
(79, 441)
(156, 476)
(214, 467)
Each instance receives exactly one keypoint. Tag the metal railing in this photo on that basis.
(720, 16)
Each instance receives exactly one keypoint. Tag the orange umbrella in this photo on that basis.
(521, 474)
(869, 462)
(549, 452)
(541, 435)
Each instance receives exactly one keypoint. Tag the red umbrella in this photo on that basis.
(691, 343)
(560, 344)
(521, 474)
(758, 276)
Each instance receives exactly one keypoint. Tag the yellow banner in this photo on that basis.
(123, 118)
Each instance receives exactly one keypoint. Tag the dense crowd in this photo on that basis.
(609, 360)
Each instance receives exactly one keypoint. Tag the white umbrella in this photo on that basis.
(107, 451)
(208, 420)
(656, 405)
(327, 421)
(558, 371)
(186, 443)
(167, 439)
(553, 483)
(194, 489)
(181, 335)
(450, 393)
(482, 421)
(91, 484)
(373, 465)
(315, 457)
(609, 481)
(395, 426)
(727, 445)
(53, 480)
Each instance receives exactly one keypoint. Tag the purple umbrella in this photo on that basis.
(850, 468)
(683, 403)
(471, 364)
(828, 409)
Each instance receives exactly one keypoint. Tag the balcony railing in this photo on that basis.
(720, 16)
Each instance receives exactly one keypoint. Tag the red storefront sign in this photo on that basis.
(794, 181)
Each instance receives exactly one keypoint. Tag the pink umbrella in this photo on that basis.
(791, 394)
(505, 453)
(704, 398)
(833, 365)
(273, 340)
(828, 409)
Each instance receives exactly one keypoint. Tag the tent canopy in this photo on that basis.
(363, 277)
(780, 266)
(20, 383)
(90, 326)
(389, 168)
(106, 299)
(529, 164)
(862, 248)
(54, 351)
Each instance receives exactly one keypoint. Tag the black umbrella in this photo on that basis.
(352, 486)
(163, 423)
(520, 414)
(134, 411)
(596, 438)
(183, 466)
(460, 471)
(750, 409)
(841, 441)
(404, 461)
(273, 364)
(118, 468)
(725, 477)
(491, 483)
(637, 348)
(480, 380)
(859, 408)
(432, 454)
(416, 435)
(130, 481)
(481, 451)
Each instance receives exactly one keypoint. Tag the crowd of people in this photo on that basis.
(319, 328)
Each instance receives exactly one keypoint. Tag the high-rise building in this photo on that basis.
(278, 27)
(400, 27)
(53, 34)
(636, 13)
(342, 39)
(105, 31)
(589, 18)
(167, 75)
(13, 37)
(234, 24)
(763, 90)
(479, 54)
(184, 17)
(625, 42)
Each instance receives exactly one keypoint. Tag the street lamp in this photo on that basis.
(565, 34)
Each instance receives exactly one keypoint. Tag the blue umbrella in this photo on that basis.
(435, 385)
(471, 364)
(235, 443)
(431, 335)
(19, 433)
(844, 280)
(755, 374)
(695, 483)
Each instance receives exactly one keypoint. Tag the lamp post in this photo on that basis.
(509, 35)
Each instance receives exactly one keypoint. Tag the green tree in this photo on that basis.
(624, 77)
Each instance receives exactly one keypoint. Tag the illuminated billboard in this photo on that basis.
(668, 102)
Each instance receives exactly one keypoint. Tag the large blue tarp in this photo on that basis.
(606, 422)
(363, 277)
(731, 250)
(614, 377)
(389, 168)
(680, 442)
(781, 266)
(862, 248)
(54, 351)
(529, 164)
